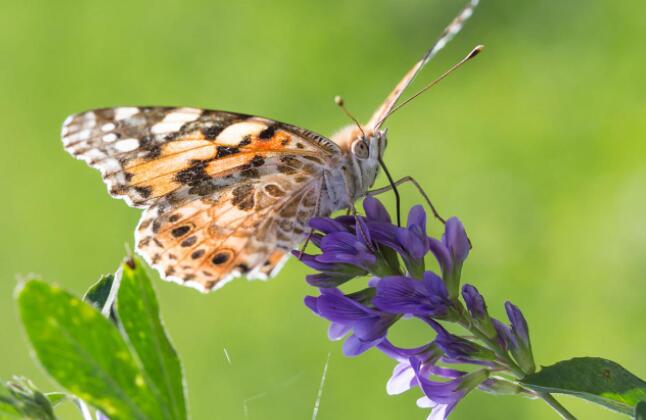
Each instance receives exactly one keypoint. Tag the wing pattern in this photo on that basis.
(224, 194)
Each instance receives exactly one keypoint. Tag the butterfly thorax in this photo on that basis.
(362, 149)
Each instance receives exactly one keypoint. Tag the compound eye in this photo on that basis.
(360, 149)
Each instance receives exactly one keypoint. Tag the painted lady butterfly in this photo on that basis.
(229, 194)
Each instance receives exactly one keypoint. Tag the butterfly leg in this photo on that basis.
(307, 241)
(363, 234)
(412, 180)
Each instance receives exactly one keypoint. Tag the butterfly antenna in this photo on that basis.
(341, 104)
(447, 35)
(474, 52)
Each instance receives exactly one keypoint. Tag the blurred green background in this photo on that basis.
(538, 146)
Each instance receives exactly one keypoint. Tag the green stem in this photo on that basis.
(552, 402)
(466, 323)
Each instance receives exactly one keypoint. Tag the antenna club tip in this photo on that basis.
(338, 100)
(475, 51)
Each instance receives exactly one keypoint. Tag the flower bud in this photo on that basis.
(500, 387)
(451, 253)
(478, 309)
(520, 347)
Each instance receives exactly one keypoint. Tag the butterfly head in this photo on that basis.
(362, 144)
(363, 148)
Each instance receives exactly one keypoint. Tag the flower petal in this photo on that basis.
(311, 302)
(402, 379)
(325, 280)
(354, 346)
(518, 322)
(341, 309)
(403, 295)
(375, 211)
(417, 218)
(474, 301)
(336, 331)
(442, 255)
(372, 328)
(326, 225)
(456, 240)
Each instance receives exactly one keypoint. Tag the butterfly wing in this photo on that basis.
(244, 229)
(213, 184)
(145, 153)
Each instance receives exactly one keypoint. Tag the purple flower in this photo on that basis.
(438, 411)
(520, 346)
(345, 254)
(457, 349)
(451, 252)
(478, 310)
(331, 274)
(368, 326)
(503, 334)
(474, 301)
(375, 211)
(411, 242)
(519, 329)
(356, 246)
(403, 377)
(444, 396)
(456, 240)
(348, 249)
(403, 295)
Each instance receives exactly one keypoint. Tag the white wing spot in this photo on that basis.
(126, 145)
(182, 115)
(89, 119)
(92, 154)
(175, 120)
(168, 127)
(109, 165)
(107, 127)
(123, 113)
(232, 135)
(83, 135)
(109, 138)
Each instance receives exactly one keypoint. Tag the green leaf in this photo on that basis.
(56, 398)
(594, 379)
(138, 313)
(99, 292)
(85, 353)
(640, 411)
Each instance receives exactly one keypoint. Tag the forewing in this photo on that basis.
(225, 194)
(145, 154)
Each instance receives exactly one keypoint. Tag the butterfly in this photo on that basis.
(227, 194)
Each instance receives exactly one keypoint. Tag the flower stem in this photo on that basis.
(552, 402)
(466, 323)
